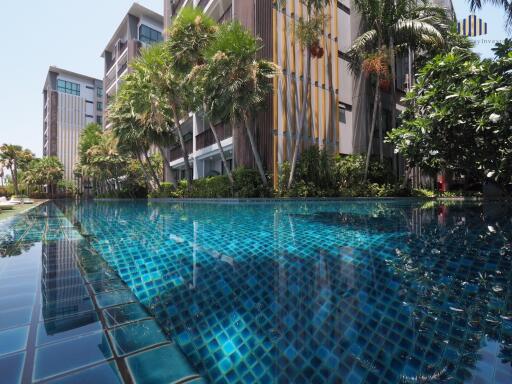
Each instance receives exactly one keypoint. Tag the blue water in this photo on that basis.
(320, 292)
(66, 317)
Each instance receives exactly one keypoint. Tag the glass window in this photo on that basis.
(149, 35)
(99, 92)
(99, 120)
(68, 87)
(99, 106)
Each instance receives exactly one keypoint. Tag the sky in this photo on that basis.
(71, 34)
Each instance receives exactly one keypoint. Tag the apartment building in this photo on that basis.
(70, 102)
(340, 112)
(140, 27)
(340, 104)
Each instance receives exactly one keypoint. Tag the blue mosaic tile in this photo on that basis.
(71, 355)
(109, 299)
(13, 340)
(160, 365)
(122, 314)
(66, 327)
(357, 292)
(135, 336)
(15, 317)
(11, 368)
(107, 286)
(104, 373)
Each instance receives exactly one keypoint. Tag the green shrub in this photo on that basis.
(248, 184)
(210, 187)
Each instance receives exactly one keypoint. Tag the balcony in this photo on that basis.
(176, 152)
(206, 138)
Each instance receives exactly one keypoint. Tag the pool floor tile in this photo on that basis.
(165, 364)
(133, 337)
(11, 368)
(107, 286)
(109, 299)
(122, 314)
(13, 340)
(15, 317)
(64, 328)
(70, 355)
(105, 373)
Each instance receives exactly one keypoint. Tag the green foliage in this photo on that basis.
(89, 137)
(15, 158)
(189, 35)
(320, 174)
(248, 184)
(458, 117)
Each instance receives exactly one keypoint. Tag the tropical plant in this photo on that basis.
(190, 31)
(141, 104)
(458, 117)
(204, 79)
(130, 127)
(245, 81)
(15, 158)
(387, 27)
(47, 171)
(309, 31)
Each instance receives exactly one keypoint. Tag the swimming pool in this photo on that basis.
(391, 291)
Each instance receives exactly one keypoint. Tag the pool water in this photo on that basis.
(393, 291)
(66, 317)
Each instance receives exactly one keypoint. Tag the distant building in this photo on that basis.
(70, 102)
(140, 26)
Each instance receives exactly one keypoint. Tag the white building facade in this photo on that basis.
(70, 102)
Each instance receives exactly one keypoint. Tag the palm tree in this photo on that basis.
(49, 171)
(106, 161)
(14, 157)
(387, 27)
(147, 105)
(172, 62)
(241, 82)
(309, 31)
(131, 136)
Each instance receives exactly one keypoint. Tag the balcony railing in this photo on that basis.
(176, 152)
(206, 138)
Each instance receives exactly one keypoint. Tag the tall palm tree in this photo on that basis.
(309, 31)
(188, 35)
(14, 157)
(245, 84)
(388, 25)
(148, 104)
(131, 136)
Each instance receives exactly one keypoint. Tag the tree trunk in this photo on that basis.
(152, 172)
(167, 166)
(393, 82)
(372, 131)
(255, 152)
(222, 155)
(381, 138)
(188, 168)
(149, 183)
(302, 121)
(15, 178)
